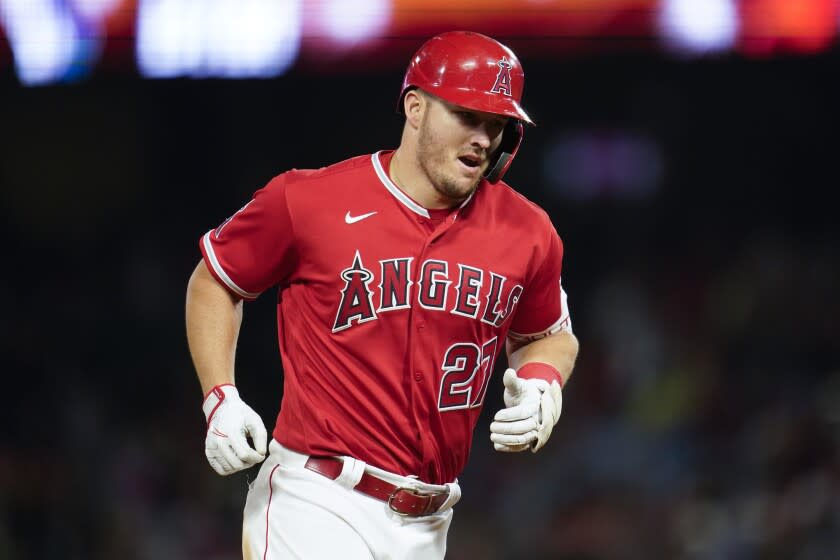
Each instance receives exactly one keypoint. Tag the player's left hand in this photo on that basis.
(229, 422)
(533, 408)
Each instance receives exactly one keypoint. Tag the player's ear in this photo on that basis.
(414, 104)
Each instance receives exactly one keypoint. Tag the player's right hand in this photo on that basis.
(229, 422)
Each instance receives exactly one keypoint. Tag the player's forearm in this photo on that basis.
(213, 319)
(559, 350)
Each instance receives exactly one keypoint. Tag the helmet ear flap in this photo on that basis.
(511, 139)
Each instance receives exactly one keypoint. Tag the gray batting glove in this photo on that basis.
(229, 422)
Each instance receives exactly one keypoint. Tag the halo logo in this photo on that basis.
(502, 84)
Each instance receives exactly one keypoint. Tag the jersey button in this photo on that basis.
(418, 376)
(421, 325)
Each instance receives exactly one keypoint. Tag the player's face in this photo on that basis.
(454, 146)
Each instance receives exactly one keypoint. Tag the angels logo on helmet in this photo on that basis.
(502, 84)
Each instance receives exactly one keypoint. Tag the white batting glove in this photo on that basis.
(533, 408)
(551, 404)
(229, 421)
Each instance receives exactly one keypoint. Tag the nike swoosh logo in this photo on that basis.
(353, 219)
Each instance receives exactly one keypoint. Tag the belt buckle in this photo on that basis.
(411, 491)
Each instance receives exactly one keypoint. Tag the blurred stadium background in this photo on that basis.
(686, 149)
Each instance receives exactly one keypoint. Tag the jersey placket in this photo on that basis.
(423, 395)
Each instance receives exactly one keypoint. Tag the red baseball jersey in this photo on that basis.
(390, 316)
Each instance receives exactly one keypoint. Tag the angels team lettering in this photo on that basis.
(459, 289)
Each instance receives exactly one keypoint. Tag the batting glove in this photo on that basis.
(229, 422)
(533, 408)
(551, 404)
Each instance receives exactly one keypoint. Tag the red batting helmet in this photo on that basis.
(476, 72)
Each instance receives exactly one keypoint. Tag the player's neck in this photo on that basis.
(407, 174)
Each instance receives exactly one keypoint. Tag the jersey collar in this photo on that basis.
(398, 193)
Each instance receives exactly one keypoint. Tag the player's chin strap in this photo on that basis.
(502, 163)
(511, 139)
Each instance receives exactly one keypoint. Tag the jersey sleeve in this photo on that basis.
(254, 249)
(543, 307)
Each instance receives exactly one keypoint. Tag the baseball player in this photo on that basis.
(401, 276)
